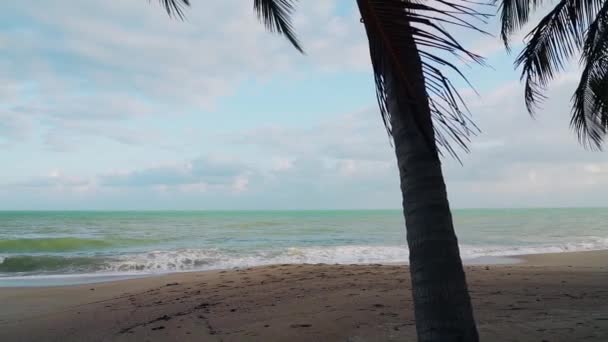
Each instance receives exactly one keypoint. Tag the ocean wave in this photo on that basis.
(193, 259)
(163, 261)
(61, 244)
(588, 244)
(46, 263)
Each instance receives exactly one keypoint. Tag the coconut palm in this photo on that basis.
(424, 115)
(569, 28)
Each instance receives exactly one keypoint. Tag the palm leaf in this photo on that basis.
(513, 15)
(405, 31)
(556, 38)
(175, 7)
(590, 100)
(275, 14)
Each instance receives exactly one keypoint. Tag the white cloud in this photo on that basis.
(596, 168)
(240, 183)
(356, 136)
(281, 164)
(57, 181)
(13, 128)
(346, 161)
(201, 174)
(106, 61)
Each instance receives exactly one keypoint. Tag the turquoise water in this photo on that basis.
(35, 245)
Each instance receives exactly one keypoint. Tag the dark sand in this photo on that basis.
(551, 297)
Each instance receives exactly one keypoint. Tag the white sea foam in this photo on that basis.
(166, 261)
(72, 246)
(193, 259)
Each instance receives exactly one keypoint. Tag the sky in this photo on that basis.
(112, 105)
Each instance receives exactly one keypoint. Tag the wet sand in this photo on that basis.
(550, 297)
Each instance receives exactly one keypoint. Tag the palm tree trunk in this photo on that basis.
(442, 304)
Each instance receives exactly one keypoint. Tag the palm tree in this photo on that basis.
(422, 111)
(570, 28)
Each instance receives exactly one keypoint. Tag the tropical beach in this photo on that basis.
(284, 170)
(290, 275)
(546, 297)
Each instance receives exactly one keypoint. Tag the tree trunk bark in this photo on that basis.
(442, 304)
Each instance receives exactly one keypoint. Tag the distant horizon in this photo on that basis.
(289, 210)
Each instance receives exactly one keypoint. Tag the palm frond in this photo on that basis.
(556, 38)
(276, 16)
(175, 7)
(402, 32)
(590, 100)
(514, 14)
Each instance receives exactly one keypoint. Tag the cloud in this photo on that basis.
(357, 136)
(117, 62)
(512, 157)
(280, 164)
(346, 161)
(519, 161)
(194, 61)
(81, 132)
(13, 128)
(201, 173)
(56, 181)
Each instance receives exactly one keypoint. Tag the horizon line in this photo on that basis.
(288, 210)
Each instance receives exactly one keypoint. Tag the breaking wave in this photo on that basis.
(62, 244)
(163, 261)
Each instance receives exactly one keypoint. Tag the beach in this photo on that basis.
(546, 297)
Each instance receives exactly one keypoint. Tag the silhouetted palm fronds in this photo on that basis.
(570, 28)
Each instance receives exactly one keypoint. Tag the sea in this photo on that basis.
(68, 247)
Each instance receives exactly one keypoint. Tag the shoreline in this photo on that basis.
(556, 297)
(59, 280)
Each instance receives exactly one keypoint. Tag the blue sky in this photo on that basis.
(112, 105)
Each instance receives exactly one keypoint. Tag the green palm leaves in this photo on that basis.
(275, 14)
(403, 33)
(570, 28)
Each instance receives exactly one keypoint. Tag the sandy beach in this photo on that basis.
(549, 297)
